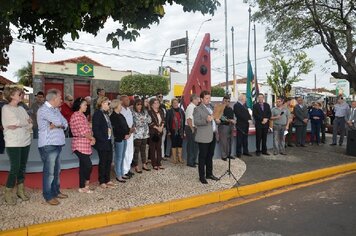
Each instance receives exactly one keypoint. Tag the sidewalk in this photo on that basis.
(161, 188)
(298, 160)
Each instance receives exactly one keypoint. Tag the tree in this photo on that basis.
(217, 91)
(306, 23)
(144, 85)
(24, 75)
(280, 78)
(53, 19)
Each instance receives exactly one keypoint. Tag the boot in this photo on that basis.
(9, 198)
(21, 192)
(179, 154)
(174, 155)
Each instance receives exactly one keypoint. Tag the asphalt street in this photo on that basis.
(327, 208)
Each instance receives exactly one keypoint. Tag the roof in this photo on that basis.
(4, 81)
(76, 60)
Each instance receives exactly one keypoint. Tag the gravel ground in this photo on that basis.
(175, 182)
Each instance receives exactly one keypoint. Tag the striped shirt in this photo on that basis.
(46, 115)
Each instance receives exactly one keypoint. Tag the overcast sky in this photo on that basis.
(145, 54)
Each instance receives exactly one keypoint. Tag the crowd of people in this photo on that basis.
(121, 131)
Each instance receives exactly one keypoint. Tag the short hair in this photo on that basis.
(10, 91)
(40, 93)
(158, 94)
(193, 96)
(115, 103)
(99, 90)
(77, 103)
(67, 97)
(261, 94)
(52, 94)
(173, 100)
(204, 93)
(240, 97)
(226, 97)
(100, 101)
(123, 96)
(138, 102)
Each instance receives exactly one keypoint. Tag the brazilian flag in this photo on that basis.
(249, 86)
(85, 69)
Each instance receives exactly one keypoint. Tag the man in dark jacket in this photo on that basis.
(261, 114)
(242, 124)
(301, 120)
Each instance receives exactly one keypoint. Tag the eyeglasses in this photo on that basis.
(160, 96)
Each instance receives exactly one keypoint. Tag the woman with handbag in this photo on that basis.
(156, 131)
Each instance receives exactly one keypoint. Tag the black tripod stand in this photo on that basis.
(228, 171)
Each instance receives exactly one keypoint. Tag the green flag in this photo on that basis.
(249, 102)
(85, 69)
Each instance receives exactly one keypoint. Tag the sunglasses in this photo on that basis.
(160, 96)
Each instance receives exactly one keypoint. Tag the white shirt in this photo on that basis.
(19, 137)
(126, 112)
(189, 113)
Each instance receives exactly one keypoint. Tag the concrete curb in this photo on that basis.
(160, 209)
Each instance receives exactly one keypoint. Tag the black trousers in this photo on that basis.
(85, 168)
(241, 142)
(261, 135)
(206, 153)
(323, 129)
(105, 159)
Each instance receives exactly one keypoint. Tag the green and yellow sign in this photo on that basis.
(85, 69)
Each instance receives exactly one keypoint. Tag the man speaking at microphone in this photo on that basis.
(206, 126)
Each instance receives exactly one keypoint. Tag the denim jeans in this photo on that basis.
(51, 170)
(120, 149)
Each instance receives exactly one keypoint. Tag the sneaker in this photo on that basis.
(85, 190)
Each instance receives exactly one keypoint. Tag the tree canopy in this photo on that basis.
(296, 24)
(144, 85)
(280, 77)
(217, 91)
(53, 19)
(24, 75)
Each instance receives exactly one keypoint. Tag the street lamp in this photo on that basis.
(161, 68)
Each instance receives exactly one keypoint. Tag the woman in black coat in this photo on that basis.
(102, 131)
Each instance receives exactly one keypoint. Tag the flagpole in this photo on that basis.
(233, 63)
(249, 33)
(255, 52)
(226, 53)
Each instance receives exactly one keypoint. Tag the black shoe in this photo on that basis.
(238, 155)
(193, 166)
(212, 177)
(131, 173)
(266, 153)
(290, 145)
(121, 181)
(283, 153)
(258, 154)
(340, 144)
(247, 154)
(128, 176)
(333, 144)
(231, 157)
(203, 181)
(224, 159)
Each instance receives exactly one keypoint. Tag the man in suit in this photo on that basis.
(301, 120)
(261, 112)
(351, 123)
(206, 126)
(242, 124)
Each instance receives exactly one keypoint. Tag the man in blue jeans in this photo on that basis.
(51, 126)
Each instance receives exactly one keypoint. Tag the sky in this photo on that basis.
(144, 54)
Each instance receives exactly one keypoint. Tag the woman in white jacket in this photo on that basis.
(17, 134)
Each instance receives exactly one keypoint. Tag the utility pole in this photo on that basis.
(234, 87)
(226, 53)
(187, 42)
(315, 82)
